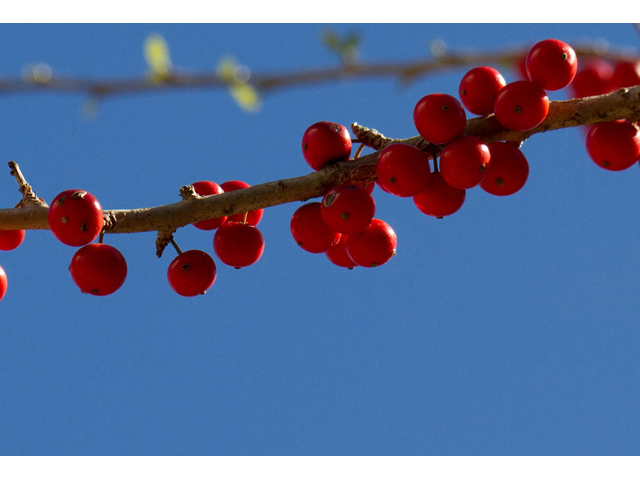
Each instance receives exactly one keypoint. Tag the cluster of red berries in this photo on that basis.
(343, 225)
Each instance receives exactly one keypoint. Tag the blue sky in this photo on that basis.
(509, 328)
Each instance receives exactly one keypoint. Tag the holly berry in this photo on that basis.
(613, 145)
(3, 283)
(11, 239)
(206, 188)
(521, 105)
(552, 64)
(438, 198)
(254, 216)
(594, 79)
(464, 162)
(310, 231)
(324, 143)
(191, 273)
(98, 269)
(75, 217)
(338, 254)
(479, 88)
(402, 169)
(439, 118)
(626, 74)
(374, 246)
(508, 170)
(238, 244)
(348, 208)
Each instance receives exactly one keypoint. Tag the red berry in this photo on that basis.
(613, 145)
(479, 88)
(98, 269)
(594, 79)
(374, 246)
(626, 74)
(402, 169)
(439, 118)
(348, 208)
(3, 283)
(206, 188)
(508, 170)
(310, 231)
(338, 254)
(11, 239)
(191, 273)
(464, 162)
(552, 64)
(439, 199)
(521, 106)
(324, 143)
(254, 216)
(75, 217)
(238, 244)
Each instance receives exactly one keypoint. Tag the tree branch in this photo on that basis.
(404, 71)
(624, 103)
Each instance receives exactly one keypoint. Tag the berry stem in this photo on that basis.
(175, 245)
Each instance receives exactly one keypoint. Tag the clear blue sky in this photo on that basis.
(510, 328)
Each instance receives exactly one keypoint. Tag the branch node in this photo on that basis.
(187, 192)
(163, 239)
(28, 195)
(370, 137)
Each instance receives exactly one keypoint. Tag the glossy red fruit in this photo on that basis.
(521, 106)
(439, 118)
(310, 231)
(11, 239)
(254, 216)
(594, 79)
(348, 208)
(338, 254)
(439, 199)
(3, 283)
(626, 74)
(206, 188)
(508, 170)
(191, 273)
(75, 217)
(238, 244)
(552, 64)
(479, 88)
(98, 269)
(374, 246)
(324, 143)
(402, 169)
(464, 162)
(613, 145)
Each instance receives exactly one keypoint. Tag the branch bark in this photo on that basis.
(624, 103)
